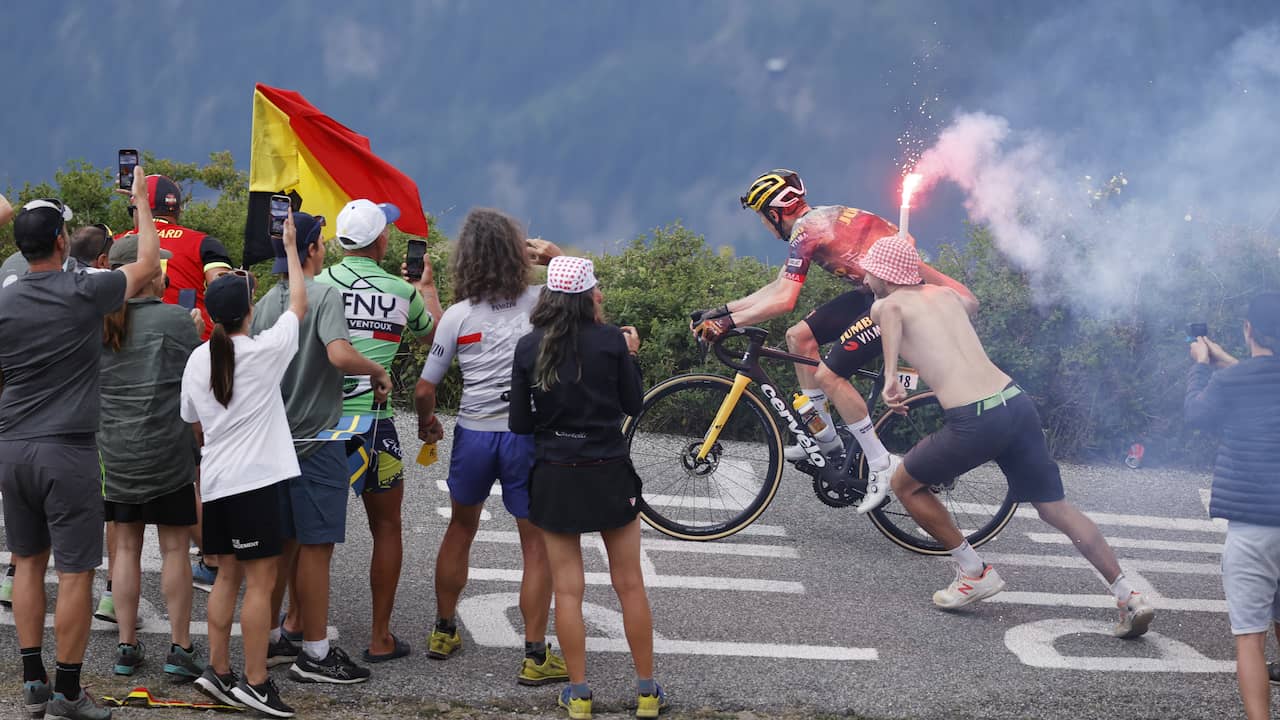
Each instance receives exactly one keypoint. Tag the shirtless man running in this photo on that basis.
(987, 417)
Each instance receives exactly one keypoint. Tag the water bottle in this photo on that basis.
(809, 415)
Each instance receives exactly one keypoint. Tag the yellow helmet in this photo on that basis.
(774, 189)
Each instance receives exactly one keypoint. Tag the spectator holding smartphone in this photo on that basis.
(231, 393)
(1238, 400)
(573, 380)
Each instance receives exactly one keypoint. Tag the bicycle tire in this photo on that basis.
(663, 439)
(990, 501)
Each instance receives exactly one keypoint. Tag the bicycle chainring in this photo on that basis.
(836, 490)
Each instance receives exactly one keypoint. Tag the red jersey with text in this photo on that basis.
(836, 238)
(194, 254)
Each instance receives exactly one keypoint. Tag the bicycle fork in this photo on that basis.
(740, 383)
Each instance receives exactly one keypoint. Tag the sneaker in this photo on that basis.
(82, 708)
(579, 708)
(1273, 670)
(35, 696)
(964, 590)
(6, 591)
(281, 652)
(441, 644)
(129, 657)
(648, 706)
(294, 636)
(551, 670)
(203, 576)
(107, 612)
(878, 486)
(336, 667)
(264, 698)
(182, 665)
(1135, 617)
(218, 687)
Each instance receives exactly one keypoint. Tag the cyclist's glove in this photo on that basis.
(711, 329)
(697, 316)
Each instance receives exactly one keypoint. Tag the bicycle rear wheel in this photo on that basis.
(978, 501)
(715, 497)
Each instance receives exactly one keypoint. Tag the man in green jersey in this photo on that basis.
(380, 308)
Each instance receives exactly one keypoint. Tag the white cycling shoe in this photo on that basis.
(878, 486)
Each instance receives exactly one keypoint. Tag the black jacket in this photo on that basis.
(1242, 403)
(580, 419)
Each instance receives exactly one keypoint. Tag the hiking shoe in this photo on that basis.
(1273, 670)
(964, 590)
(336, 667)
(264, 698)
(182, 665)
(203, 576)
(648, 706)
(281, 652)
(878, 486)
(1135, 617)
(35, 696)
(218, 687)
(129, 657)
(441, 644)
(6, 591)
(551, 670)
(82, 708)
(579, 708)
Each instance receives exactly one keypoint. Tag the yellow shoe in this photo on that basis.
(441, 644)
(579, 708)
(551, 670)
(648, 706)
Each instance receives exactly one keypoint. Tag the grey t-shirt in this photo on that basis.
(50, 345)
(146, 449)
(312, 386)
(14, 267)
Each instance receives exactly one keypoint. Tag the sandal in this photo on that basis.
(401, 650)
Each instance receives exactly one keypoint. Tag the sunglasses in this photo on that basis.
(108, 239)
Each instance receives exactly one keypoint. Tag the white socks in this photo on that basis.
(970, 562)
(316, 649)
(1121, 589)
(819, 400)
(864, 431)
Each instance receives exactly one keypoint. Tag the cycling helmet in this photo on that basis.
(776, 189)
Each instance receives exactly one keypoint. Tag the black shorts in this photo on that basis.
(246, 525)
(176, 508)
(1010, 434)
(583, 498)
(846, 321)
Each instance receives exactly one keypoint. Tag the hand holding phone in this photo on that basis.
(187, 298)
(127, 160)
(1197, 330)
(415, 260)
(280, 206)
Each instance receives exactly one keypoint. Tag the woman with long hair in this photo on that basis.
(491, 286)
(575, 377)
(231, 393)
(149, 459)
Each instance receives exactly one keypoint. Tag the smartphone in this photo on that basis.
(128, 160)
(414, 260)
(187, 298)
(279, 212)
(1195, 330)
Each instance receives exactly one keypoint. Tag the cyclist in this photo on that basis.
(836, 237)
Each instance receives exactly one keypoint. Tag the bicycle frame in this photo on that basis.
(749, 370)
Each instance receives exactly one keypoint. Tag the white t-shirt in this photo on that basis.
(483, 336)
(247, 444)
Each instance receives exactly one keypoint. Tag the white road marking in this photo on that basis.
(1156, 522)
(665, 545)
(1033, 643)
(1137, 543)
(686, 582)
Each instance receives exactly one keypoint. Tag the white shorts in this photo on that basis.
(1251, 577)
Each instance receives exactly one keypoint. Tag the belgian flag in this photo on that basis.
(301, 152)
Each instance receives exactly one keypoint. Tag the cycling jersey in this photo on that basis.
(194, 254)
(379, 307)
(483, 335)
(836, 238)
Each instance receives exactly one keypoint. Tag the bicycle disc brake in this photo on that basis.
(701, 468)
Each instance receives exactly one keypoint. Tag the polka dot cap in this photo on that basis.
(570, 274)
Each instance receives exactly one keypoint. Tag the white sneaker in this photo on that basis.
(964, 590)
(1135, 617)
(878, 486)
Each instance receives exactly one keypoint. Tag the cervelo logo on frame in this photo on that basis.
(784, 411)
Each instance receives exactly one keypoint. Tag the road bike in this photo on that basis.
(709, 450)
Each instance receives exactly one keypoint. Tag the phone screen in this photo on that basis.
(128, 160)
(279, 211)
(1195, 330)
(414, 260)
(187, 298)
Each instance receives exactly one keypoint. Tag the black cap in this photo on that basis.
(229, 298)
(166, 196)
(308, 232)
(1264, 315)
(38, 225)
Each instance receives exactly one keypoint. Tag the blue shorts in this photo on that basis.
(313, 506)
(478, 458)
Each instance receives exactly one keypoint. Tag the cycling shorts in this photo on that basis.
(846, 322)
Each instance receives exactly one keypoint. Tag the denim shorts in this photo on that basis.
(313, 505)
(479, 457)
(1251, 576)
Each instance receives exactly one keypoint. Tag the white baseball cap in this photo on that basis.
(361, 222)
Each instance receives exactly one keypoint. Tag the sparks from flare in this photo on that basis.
(909, 184)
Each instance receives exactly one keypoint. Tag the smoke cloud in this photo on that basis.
(1095, 220)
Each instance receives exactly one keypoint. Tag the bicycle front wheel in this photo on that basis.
(977, 501)
(716, 496)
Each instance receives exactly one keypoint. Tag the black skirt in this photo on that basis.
(175, 508)
(583, 498)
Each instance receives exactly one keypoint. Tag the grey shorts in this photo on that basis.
(1251, 577)
(53, 497)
